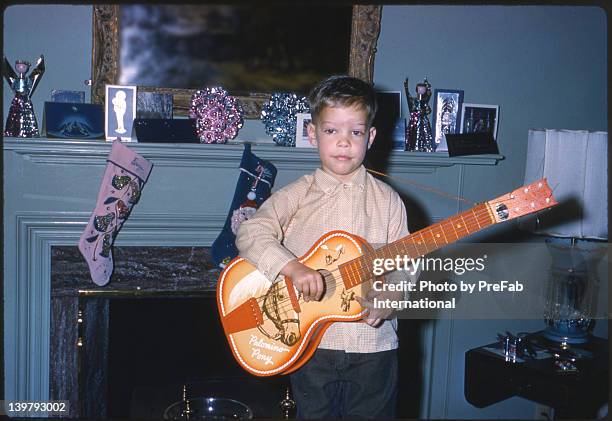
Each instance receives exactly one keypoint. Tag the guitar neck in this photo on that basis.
(419, 243)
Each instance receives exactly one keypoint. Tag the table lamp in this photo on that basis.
(576, 167)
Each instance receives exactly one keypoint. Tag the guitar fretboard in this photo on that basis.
(419, 243)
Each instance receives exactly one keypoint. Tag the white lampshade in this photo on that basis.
(575, 163)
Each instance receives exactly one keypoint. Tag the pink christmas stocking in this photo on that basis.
(125, 175)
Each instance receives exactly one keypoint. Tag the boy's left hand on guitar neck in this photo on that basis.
(376, 316)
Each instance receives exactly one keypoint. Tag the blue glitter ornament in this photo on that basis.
(279, 116)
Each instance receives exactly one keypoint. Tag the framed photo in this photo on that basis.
(480, 118)
(386, 120)
(301, 130)
(120, 111)
(62, 95)
(446, 115)
(153, 105)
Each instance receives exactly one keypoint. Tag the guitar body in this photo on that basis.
(270, 329)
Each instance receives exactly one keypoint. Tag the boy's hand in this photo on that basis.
(307, 281)
(375, 316)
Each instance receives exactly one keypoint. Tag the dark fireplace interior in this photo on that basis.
(156, 345)
(155, 328)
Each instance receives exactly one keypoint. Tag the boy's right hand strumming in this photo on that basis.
(307, 281)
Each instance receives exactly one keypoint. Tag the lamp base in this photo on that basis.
(568, 331)
(564, 338)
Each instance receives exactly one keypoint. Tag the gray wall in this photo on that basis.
(545, 66)
(62, 33)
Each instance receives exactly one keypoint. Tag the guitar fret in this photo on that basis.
(365, 266)
(419, 243)
(349, 270)
(355, 272)
(476, 218)
(437, 234)
(430, 241)
(345, 275)
(450, 233)
(408, 247)
(433, 237)
(452, 224)
(362, 272)
(464, 224)
(444, 233)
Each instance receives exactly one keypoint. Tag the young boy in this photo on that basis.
(353, 373)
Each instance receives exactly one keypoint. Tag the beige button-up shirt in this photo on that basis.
(291, 220)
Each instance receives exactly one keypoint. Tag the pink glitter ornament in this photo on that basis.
(218, 115)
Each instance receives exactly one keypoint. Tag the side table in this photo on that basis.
(489, 378)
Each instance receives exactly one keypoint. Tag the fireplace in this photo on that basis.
(125, 350)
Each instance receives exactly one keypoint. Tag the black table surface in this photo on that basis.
(489, 378)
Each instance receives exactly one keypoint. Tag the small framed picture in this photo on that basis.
(62, 95)
(153, 105)
(480, 118)
(387, 119)
(446, 115)
(120, 111)
(301, 131)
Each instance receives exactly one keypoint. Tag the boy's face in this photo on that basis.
(343, 137)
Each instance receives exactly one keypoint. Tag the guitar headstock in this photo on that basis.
(523, 201)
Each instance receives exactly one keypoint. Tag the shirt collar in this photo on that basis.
(328, 183)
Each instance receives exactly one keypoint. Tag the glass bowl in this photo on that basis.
(207, 408)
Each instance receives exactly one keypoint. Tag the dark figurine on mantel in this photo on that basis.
(418, 130)
(21, 121)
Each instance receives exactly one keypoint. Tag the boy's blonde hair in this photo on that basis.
(346, 91)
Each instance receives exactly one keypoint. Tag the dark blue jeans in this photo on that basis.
(338, 384)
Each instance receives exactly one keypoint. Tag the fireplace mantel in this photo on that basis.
(50, 188)
(54, 151)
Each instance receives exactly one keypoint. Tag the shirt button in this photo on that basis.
(346, 186)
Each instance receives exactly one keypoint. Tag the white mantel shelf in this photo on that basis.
(54, 151)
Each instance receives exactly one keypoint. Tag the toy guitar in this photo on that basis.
(272, 330)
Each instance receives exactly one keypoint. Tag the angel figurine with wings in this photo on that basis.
(21, 120)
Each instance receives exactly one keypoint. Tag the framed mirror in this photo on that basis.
(363, 22)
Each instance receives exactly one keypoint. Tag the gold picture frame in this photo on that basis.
(365, 29)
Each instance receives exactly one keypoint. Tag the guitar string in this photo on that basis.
(361, 271)
(422, 187)
(474, 215)
(472, 221)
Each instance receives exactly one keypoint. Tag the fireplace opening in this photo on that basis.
(157, 345)
(125, 350)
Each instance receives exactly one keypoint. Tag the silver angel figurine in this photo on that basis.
(418, 131)
(21, 120)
